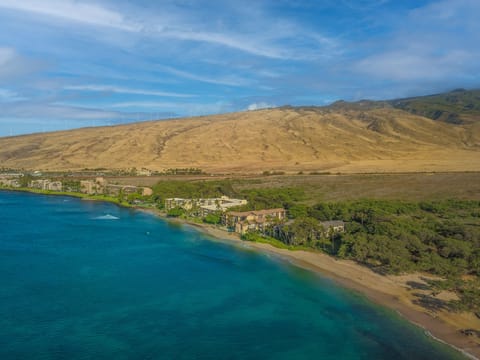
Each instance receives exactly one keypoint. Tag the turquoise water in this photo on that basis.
(77, 284)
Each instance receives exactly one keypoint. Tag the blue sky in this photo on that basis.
(71, 63)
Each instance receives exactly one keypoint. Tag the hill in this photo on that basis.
(459, 106)
(375, 137)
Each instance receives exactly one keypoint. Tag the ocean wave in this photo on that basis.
(106, 217)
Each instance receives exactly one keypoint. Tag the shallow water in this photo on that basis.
(77, 285)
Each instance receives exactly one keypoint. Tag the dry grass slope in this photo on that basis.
(288, 139)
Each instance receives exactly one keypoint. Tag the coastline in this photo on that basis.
(393, 292)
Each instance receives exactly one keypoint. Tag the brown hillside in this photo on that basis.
(289, 139)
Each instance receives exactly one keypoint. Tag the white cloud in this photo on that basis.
(146, 104)
(230, 81)
(6, 55)
(231, 41)
(181, 108)
(13, 65)
(434, 44)
(181, 25)
(86, 13)
(9, 96)
(409, 65)
(124, 90)
(49, 111)
(259, 105)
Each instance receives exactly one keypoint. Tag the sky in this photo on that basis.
(71, 63)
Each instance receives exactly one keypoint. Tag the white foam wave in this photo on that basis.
(107, 217)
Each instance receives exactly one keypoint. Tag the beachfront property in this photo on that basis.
(46, 184)
(256, 220)
(115, 190)
(90, 187)
(101, 186)
(204, 206)
(13, 183)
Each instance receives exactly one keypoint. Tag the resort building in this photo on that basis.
(90, 187)
(186, 204)
(46, 184)
(204, 206)
(258, 220)
(55, 186)
(14, 183)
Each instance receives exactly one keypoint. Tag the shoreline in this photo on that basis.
(384, 290)
(388, 291)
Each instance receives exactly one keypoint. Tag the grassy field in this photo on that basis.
(415, 187)
(398, 186)
(410, 186)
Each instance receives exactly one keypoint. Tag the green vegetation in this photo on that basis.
(213, 218)
(456, 107)
(438, 237)
(184, 171)
(25, 180)
(265, 198)
(175, 212)
(255, 237)
(194, 189)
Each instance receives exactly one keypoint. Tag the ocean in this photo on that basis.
(90, 280)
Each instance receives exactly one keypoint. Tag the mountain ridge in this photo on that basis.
(365, 137)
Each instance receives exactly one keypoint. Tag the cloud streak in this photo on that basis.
(229, 81)
(89, 14)
(125, 90)
(86, 13)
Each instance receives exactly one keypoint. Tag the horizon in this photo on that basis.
(73, 64)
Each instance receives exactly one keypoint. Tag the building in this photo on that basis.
(144, 172)
(221, 204)
(130, 189)
(90, 187)
(258, 220)
(204, 206)
(46, 184)
(331, 227)
(115, 190)
(55, 186)
(14, 183)
(39, 184)
(172, 203)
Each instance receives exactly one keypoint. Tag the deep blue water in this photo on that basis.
(75, 284)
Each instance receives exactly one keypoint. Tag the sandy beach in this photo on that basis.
(406, 294)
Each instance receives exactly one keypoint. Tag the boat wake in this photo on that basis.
(106, 217)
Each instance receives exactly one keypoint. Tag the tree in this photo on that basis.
(175, 212)
(213, 218)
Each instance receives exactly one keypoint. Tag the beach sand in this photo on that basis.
(409, 295)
